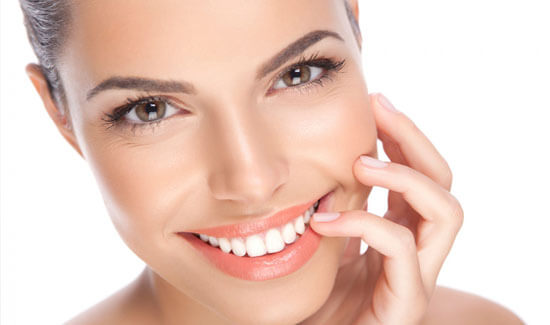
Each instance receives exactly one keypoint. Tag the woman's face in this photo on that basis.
(232, 140)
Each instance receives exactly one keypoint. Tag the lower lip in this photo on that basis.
(269, 266)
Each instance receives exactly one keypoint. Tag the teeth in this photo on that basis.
(308, 214)
(238, 247)
(213, 241)
(255, 246)
(225, 245)
(299, 225)
(271, 241)
(289, 234)
(274, 241)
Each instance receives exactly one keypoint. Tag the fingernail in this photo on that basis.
(371, 162)
(325, 216)
(386, 103)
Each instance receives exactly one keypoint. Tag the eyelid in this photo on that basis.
(331, 65)
(132, 103)
(301, 61)
(315, 57)
(170, 110)
(117, 116)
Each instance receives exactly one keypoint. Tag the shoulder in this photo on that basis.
(449, 306)
(126, 306)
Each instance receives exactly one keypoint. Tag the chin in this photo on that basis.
(287, 300)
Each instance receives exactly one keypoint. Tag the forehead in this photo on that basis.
(153, 37)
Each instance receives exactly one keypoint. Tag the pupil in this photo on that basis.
(295, 73)
(151, 107)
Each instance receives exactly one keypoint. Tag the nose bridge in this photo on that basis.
(248, 167)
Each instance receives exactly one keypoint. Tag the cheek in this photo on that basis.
(142, 188)
(348, 131)
(148, 186)
(333, 134)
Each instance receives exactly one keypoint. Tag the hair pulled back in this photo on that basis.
(47, 23)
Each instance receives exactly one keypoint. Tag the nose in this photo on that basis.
(248, 165)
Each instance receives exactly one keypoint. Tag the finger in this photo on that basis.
(393, 241)
(440, 211)
(404, 142)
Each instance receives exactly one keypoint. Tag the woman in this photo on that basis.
(215, 129)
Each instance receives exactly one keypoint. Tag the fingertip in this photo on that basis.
(381, 101)
(371, 162)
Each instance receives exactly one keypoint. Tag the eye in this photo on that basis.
(298, 75)
(150, 111)
(142, 111)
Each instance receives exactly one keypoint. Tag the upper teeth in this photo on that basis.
(271, 240)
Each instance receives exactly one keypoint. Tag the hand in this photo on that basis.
(409, 245)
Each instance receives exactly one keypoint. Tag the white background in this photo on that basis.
(473, 75)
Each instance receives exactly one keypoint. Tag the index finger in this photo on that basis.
(406, 144)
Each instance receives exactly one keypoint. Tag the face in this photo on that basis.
(228, 134)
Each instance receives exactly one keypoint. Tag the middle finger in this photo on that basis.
(440, 211)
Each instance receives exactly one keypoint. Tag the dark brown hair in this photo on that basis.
(47, 23)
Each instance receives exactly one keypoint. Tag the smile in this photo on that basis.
(271, 240)
(265, 248)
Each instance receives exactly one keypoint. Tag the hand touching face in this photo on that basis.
(409, 245)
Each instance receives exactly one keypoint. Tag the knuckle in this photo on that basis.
(406, 239)
(456, 212)
(447, 177)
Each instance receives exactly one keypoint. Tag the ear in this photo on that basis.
(58, 117)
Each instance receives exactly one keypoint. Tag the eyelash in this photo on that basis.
(331, 66)
(115, 118)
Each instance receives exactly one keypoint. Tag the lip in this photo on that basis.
(272, 265)
(256, 226)
(261, 268)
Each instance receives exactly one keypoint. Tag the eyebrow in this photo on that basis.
(174, 86)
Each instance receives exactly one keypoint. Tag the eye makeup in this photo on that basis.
(117, 116)
(330, 65)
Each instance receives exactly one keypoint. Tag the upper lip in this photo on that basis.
(256, 226)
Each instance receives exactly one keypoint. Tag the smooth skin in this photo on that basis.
(235, 154)
(408, 246)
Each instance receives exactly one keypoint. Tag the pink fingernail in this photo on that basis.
(371, 162)
(325, 216)
(386, 103)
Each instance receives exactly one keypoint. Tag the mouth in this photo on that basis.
(271, 240)
(275, 246)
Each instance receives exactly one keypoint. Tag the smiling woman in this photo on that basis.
(234, 144)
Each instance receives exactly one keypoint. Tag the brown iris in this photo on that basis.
(297, 75)
(151, 110)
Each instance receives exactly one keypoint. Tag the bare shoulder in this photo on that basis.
(126, 306)
(449, 306)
